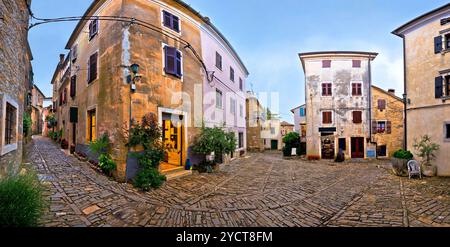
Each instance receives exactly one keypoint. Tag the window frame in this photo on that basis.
(326, 64)
(384, 129)
(92, 34)
(241, 84)
(379, 105)
(89, 79)
(360, 89)
(219, 58)
(360, 120)
(171, 28)
(219, 92)
(330, 88)
(181, 76)
(447, 131)
(232, 74)
(356, 64)
(323, 118)
(13, 146)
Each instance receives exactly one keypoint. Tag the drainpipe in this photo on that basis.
(405, 99)
(370, 100)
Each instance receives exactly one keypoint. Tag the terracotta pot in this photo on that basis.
(429, 170)
(399, 167)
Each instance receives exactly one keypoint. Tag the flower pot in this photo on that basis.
(399, 167)
(429, 170)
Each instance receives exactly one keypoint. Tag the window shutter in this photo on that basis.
(93, 67)
(175, 23)
(74, 53)
(73, 115)
(438, 81)
(73, 86)
(437, 44)
(381, 104)
(65, 96)
(388, 127)
(357, 117)
(374, 127)
(178, 64)
(166, 19)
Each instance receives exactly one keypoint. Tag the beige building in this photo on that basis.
(15, 80)
(337, 86)
(387, 121)
(255, 120)
(426, 42)
(37, 108)
(94, 91)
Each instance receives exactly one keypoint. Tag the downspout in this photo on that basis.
(405, 98)
(370, 100)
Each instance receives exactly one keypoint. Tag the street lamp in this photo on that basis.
(134, 68)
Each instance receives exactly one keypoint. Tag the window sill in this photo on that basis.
(168, 29)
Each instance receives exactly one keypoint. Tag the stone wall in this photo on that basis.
(14, 59)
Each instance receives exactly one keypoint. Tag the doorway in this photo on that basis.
(357, 147)
(327, 140)
(172, 140)
(274, 144)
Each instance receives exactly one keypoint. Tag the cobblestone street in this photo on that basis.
(262, 190)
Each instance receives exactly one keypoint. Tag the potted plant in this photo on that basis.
(64, 144)
(426, 149)
(400, 162)
(213, 143)
(291, 140)
(72, 148)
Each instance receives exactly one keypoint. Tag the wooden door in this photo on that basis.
(358, 148)
(172, 132)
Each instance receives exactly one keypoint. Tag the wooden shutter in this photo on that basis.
(178, 64)
(388, 127)
(167, 21)
(73, 86)
(381, 104)
(357, 117)
(438, 87)
(73, 115)
(437, 44)
(374, 127)
(93, 67)
(175, 23)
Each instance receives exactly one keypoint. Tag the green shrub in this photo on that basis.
(27, 122)
(106, 164)
(149, 178)
(403, 154)
(100, 146)
(21, 201)
(292, 139)
(287, 150)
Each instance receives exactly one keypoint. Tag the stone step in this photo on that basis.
(178, 174)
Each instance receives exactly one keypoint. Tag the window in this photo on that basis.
(272, 130)
(173, 61)
(65, 96)
(74, 53)
(171, 21)
(381, 127)
(438, 44)
(447, 41)
(326, 64)
(92, 67)
(93, 28)
(219, 104)
(241, 84)
(357, 117)
(61, 100)
(438, 87)
(382, 151)
(327, 117)
(10, 124)
(233, 106)
(447, 86)
(381, 104)
(232, 74)
(302, 112)
(356, 63)
(327, 89)
(447, 131)
(356, 89)
(218, 61)
(91, 126)
(73, 86)
(342, 144)
(241, 140)
(241, 111)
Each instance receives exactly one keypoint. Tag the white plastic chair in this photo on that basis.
(414, 169)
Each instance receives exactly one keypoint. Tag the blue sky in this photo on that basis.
(268, 37)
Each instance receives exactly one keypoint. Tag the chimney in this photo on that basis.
(391, 91)
(61, 58)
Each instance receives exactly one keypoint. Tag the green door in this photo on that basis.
(274, 145)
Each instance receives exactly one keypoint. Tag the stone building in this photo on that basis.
(387, 121)
(426, 42)
(37, 108)
(300, 121)
(256, 117)
(15, 71)
(94, 87)
(271, 134)
(286, 128)
(337, 86)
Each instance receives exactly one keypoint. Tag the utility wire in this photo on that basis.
(130, 20)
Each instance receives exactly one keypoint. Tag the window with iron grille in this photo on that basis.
(10, 124)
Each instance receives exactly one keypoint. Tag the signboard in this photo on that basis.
(327, 129)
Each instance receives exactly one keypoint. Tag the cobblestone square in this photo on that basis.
(261, 190)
